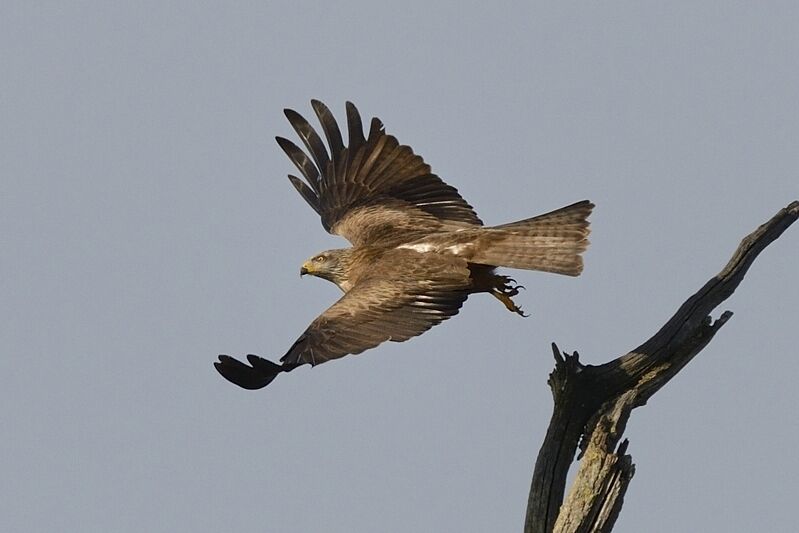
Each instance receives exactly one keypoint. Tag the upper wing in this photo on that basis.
(406, 294)
(374, 190)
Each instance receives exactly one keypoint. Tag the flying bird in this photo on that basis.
(418, 248)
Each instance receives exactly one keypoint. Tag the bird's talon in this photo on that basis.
(505, 288)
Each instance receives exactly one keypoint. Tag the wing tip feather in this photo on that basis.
(257, 375)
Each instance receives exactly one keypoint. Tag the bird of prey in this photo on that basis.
(418, 248)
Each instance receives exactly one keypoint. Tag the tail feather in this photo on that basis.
(574, 216)
(551, 242)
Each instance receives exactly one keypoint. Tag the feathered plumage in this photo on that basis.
(419, 249)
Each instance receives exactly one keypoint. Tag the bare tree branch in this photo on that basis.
(593, 403)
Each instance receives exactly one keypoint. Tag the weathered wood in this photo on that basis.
(592, 404)
(571, 413)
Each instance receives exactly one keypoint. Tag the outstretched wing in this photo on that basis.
(406, 294)
(373, 191)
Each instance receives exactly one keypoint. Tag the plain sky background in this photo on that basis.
(146, 225)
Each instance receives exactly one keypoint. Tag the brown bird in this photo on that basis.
(418, 249)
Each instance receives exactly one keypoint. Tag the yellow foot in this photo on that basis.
(504, 289)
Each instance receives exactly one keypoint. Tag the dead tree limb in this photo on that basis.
(593, 403)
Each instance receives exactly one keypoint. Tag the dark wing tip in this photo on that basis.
(254, 377)
(376, 129)
(307, 193)
(354, 127)
(296, 120)
(309, 137)
(331, 129)
(284, 143)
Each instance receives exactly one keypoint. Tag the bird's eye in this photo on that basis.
(319, 258)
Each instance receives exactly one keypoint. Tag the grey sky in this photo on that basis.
(147, 226)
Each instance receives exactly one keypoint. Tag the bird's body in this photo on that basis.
(419, 250)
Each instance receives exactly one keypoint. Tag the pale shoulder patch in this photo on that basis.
(419, 247)
(459, 249)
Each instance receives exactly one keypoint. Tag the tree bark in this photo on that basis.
(592, 404)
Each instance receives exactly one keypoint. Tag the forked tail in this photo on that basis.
(551, 242)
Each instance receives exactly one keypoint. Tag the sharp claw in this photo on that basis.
(520, 312)
(505, 288)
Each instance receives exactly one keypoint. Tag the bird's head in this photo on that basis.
(330, 265)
